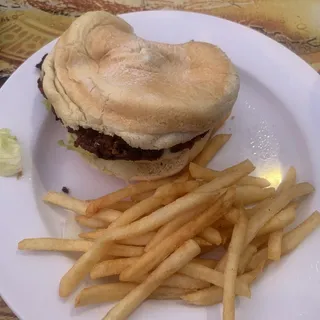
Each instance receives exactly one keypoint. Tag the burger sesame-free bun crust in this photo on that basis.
(100, 75)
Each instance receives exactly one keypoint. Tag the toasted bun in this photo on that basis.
(168, 165)
(100, 75)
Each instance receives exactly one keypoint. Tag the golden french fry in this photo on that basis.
(83, 266)
(252, 275)
(65, 201)
(76, 245)
(202, 195)
(172, 226)
(122, 205)
(54, 244)
(210, 263)
(202, 242)
(246, 195)
(232, 215)
(134, 241)
(213, 295)
(259, 206)
(108, 215)
(92, 235)
(116, 266)
(211, 235)
(288, 181)
(116, 291)
(211, 149)
(166, 269)
(205, 297)
(142, 196)
(232, 265)
(259, 219)
(260, 241)
(245, 258)
(279, 221)
(204, 273)
(274, 245)
(142, 240)
(290, 240)
(133, 189)
(111, 267)
(156, 254)
(206, 174)
(179, 281)
(91, 222)
(146, 206)
(294, 237)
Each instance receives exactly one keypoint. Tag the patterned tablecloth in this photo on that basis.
(27, 25)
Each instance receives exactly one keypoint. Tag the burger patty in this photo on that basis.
(114, 147)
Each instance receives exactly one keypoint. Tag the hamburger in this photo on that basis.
(137, 109)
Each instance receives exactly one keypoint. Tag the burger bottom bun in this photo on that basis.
(168, 165)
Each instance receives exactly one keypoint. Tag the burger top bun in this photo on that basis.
(101, 75)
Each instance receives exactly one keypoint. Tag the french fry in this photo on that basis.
(166, 269)
(259, 206)
(76, 245)
(65, 201)
(211, 149)
(174, 190)
(232, 215)
(288, 181)
(211, 235)
(260, 241)
(107, 215)
(139, 240)
(122, 205)
(202, 242)
(294, 237)
(252, 275)
(133, 189)
(210, 263)
(202, 195)
(213, 295)
(245, 258)
(134, 241)
(83, 266)
(274, 245)
(54, 244)
(156, 254)
(258, 220)
(142, 196)
(116, 266)
(116, 291)
(172, 226)
(204, 273)
(206, 174)
(180, 281)
(246, 195)
(291, 239)
(205, 297)
(91, 222)
(111, 267)
(232, 265)
(281, 220)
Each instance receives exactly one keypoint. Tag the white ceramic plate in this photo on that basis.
(275, 124)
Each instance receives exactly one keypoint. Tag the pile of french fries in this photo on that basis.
(152, 235)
